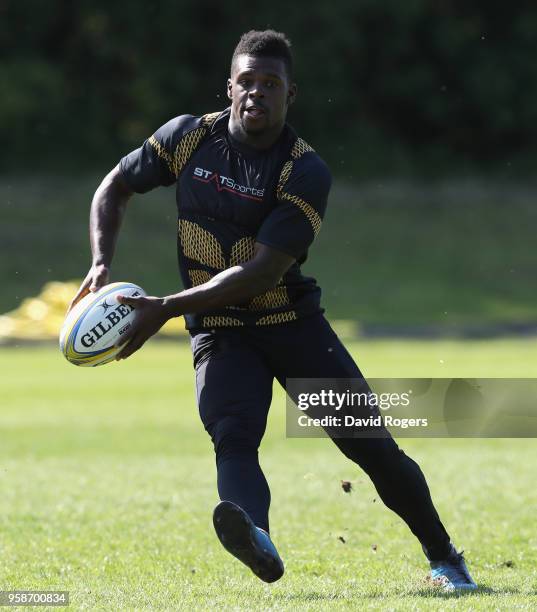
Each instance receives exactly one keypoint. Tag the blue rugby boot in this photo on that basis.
(451, 573)
(250, 544)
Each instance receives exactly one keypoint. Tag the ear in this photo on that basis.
(229, 89)
(291, 94)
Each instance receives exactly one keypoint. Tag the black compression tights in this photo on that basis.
(234, 374)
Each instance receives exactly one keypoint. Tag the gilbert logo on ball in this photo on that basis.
(94, 326)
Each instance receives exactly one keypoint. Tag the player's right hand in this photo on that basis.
(97, 277)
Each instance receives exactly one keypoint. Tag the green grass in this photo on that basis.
(444, 253)
(107, 488)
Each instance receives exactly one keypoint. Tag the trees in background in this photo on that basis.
(384, 87)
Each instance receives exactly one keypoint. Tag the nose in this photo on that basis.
(256, 91)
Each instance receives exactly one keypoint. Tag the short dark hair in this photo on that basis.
(265, 43)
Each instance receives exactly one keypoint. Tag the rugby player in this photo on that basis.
(251, 196)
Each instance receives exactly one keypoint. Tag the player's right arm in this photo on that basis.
(107, 209)
(147, 167)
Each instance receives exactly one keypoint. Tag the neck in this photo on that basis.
(260, 141)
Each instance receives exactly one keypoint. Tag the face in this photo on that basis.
(260, 94)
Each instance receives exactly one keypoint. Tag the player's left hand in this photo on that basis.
(150, 317)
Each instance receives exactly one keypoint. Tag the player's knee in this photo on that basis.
(233, 437)
(370, 453)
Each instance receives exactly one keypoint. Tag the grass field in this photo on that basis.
(447, 253)
(107, 481)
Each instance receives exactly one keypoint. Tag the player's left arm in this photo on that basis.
(283, 238)
(302, 199)
(232, 286)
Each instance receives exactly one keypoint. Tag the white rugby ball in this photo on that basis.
(94, 325)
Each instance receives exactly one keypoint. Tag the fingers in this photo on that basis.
(82, 292)
(95, 279)
(147, 321)
(133, 344)
(127, 339)
(100, 279)
(131, 301)
(132, 331)
(127, 336)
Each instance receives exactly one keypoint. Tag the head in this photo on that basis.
(261, 87)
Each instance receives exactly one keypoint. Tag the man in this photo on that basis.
(251, 196)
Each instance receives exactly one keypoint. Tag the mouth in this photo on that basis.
(254, 111)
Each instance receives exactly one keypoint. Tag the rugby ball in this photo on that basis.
(94, 325)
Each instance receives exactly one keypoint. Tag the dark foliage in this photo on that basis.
(384, 87)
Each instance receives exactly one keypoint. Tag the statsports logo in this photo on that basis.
(224, 183)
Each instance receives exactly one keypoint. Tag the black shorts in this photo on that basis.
(235, 367)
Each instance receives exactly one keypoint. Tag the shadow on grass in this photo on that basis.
(432, 592)
(428, 593)
(310, 596)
